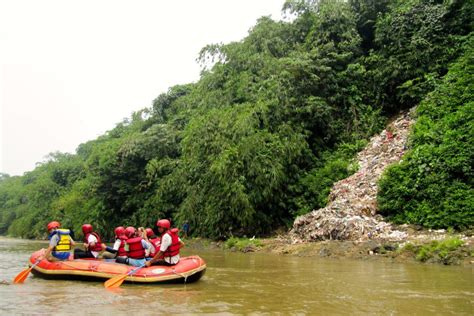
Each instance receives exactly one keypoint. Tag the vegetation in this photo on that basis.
(273, 122)
(446, 251)
(433, 186)
(242, 244)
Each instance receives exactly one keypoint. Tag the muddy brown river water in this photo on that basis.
(248, 284)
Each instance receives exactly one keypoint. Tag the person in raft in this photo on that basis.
(118, 249)
(60, 243)
(153, 241)
(168, 253)
(136, 247)
(92, 244)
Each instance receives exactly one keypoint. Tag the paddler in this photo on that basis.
(168, 253)
(60, 243)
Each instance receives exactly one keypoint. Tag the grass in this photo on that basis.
(242, 244)
(445, 251)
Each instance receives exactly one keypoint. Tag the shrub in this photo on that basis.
(432, 186)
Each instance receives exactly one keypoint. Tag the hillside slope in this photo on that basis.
(351, 213)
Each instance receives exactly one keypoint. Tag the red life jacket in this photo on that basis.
(173, 249)
(156, 242)
(121, 251)
(135, 248)
(98, 245)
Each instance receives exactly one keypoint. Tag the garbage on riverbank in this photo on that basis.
(351, 213)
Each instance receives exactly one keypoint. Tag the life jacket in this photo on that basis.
(135, 248)
(64, 243)
(98, 245)
(156, 242)
(121, 252)
(173, 249)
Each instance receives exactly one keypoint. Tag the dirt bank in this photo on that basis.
(423, 246)
(437, 247)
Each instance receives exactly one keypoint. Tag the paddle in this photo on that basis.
(118, 280)
(21, 277)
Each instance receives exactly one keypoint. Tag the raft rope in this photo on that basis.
(185, 276)
(80, 269)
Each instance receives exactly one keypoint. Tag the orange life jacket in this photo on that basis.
(156, 242)
(173, 249)
(98, 245)
(135, 248)
(121, 252)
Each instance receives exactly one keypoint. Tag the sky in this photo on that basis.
(72, 70)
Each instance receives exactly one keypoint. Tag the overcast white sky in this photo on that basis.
(71, 70)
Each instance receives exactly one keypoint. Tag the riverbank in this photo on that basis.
(424, 246)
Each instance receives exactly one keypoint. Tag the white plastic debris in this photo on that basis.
(351, 213)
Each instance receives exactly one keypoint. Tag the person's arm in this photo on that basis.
(73, 243)
(115, 248)
(148, 246)
(47, 252)
(143, 233)
(154, 259)
(165, 242)
(52, 243)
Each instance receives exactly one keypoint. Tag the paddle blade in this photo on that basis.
(21, 277)
(115, 281)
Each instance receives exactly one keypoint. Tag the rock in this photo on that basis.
(324, 252)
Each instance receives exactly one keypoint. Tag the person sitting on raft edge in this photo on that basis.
(168, 254)
(92, 244)
(60, 243)
(118, 249)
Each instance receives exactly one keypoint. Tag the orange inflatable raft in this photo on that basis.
(188, 270)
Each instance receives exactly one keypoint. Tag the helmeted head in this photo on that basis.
(149, 232)
(163, 225)
(53, 225)
(87, 228)
(119, 231)
(130, 231)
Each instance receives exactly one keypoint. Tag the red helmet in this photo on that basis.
(130, 231)
(149, 232)
(163, 223)
(87, 228)
(119, 231)
(52, 225)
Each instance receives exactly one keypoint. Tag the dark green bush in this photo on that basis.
(433, 185)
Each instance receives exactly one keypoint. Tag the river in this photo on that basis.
(255, 284)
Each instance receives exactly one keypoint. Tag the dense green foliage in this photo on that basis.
(447, 251)
(433, 186)
(273, 122)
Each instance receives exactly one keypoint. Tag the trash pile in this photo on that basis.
(351, 213)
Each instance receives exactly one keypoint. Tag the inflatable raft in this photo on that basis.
(188, 270)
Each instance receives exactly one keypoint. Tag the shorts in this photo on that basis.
(61, 255)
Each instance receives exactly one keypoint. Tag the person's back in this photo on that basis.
(170, 245)
(118, 249)
(92, 244)
(60, 243)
